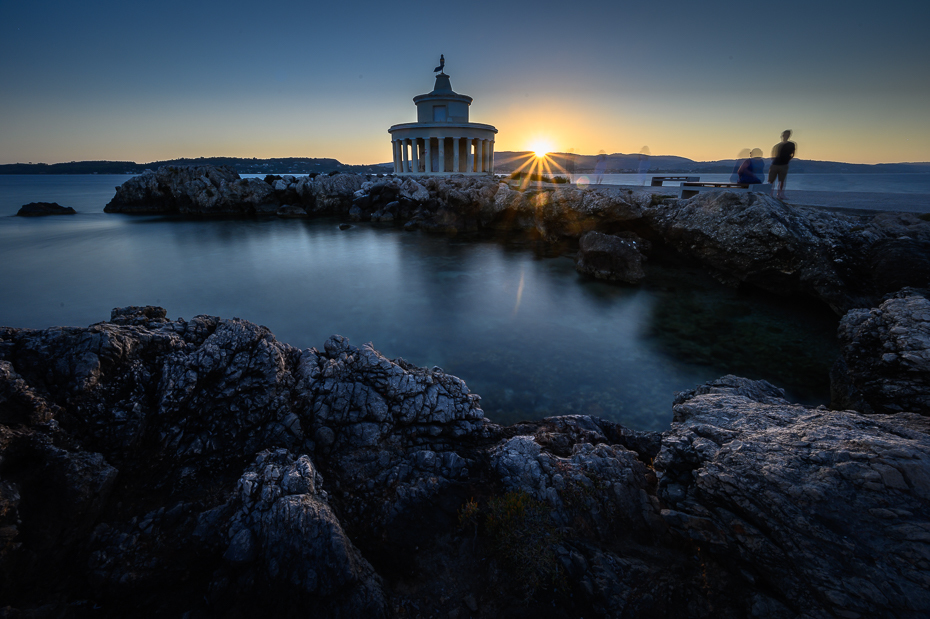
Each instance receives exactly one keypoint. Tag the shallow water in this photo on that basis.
(514, 320)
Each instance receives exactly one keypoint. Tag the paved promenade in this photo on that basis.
(866, 201)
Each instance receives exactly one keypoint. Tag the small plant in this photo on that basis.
(924, 216)
(468, 516)
(524, 538)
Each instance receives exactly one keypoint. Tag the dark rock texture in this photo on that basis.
(41, 209)
(206, 459)
(884, 365)
(825, 509)
(846, 260)
(610, 257)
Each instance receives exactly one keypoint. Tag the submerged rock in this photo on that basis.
(40, 209)
(245, 475)
(610, 257)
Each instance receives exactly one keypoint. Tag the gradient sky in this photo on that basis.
(145, 81)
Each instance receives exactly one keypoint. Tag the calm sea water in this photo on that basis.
(514, 320)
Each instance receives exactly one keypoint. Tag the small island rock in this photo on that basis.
(41, 209)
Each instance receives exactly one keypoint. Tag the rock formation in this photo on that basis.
(245, 476)
(884, 365)
(40, 209)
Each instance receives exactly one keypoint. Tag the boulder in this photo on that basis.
(605, 256)
(41, 209)
(884, 364)
(283, 536)
(825, 510)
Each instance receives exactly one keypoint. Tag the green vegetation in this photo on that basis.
(539, 178)
(924, 216)
(523, 539)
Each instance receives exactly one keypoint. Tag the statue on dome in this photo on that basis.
(442, 63)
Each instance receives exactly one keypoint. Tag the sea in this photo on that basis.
(512, 318)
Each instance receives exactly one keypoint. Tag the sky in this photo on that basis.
(146, 81)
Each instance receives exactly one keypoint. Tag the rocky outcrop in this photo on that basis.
(884, 366)
(205, 458)
(846, 260)
(41, 209)
(610, 257)
(824, 510)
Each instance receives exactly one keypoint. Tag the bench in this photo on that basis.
(689, 190)
(658, 180)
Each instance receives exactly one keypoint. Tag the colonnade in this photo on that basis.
(415, 156)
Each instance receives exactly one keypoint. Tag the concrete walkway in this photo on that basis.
(843, 200)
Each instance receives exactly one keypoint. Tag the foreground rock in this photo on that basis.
(203, 457)
(827, 508)
(885, 362)
(40, 209)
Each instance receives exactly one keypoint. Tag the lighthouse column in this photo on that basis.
(442, 155)
(415, 148)
(456, 143)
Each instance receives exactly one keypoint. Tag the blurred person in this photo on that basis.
(643, 167)
(737, 164)
(782, 154)
(599, 167)
(751, 169)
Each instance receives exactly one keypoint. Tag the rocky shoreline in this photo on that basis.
(846, 260)
(205, 459)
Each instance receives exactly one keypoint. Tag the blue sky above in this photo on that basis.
(147, 81)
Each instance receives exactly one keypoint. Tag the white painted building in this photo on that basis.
(442, 141)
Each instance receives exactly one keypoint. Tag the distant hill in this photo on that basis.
(504, 162)
(618, 163)
(280, 165)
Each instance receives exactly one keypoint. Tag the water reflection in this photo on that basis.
(513, 319)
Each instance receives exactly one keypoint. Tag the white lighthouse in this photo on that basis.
(442, 141)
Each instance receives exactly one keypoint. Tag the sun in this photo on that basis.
(541, 148)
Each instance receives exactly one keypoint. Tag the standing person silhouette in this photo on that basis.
(782, 154)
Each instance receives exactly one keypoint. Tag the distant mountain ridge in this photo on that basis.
(619, 163)
(278, 165)
(504, 162)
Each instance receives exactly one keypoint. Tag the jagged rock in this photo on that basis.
(827, 508)
(40, 209)
(846, 260)
(283, 536)
(125, 453)
(194, 190)
(884, 365)
(609, 257)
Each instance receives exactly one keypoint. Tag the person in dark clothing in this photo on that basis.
(782, 154)
(751, 170)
